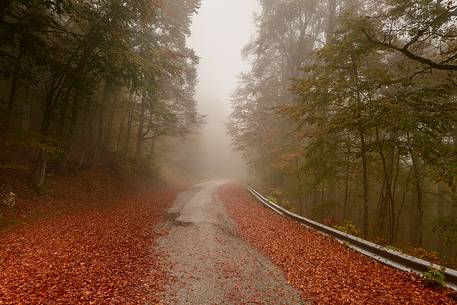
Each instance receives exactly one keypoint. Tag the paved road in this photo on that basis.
(212, 265)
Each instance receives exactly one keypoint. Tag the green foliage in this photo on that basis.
(349, 228)
(447, 228)
(273, 199)
(86, 68)
(12, 166)
(357, 102)
(425, 254)
(434, 277)
(282, 203)
(393, 248)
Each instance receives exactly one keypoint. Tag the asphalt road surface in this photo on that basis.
(211, 264)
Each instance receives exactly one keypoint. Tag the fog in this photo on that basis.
(219, 32)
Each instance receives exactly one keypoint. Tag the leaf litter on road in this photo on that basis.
(322, 268)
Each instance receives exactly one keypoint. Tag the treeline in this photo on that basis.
(349, 111)
(83, 78)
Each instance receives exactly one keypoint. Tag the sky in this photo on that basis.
(219, 32)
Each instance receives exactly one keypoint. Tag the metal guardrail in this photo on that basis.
(385, 255)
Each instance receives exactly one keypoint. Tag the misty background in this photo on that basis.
(219, 32)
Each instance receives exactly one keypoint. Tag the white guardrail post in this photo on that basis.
(385, 255)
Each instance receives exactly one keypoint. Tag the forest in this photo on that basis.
(83, 81)
(348, 115)
(131, 145)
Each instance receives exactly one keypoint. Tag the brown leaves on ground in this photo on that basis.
(323, 269)
(101, 254)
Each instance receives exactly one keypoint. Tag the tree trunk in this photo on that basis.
(100, 128)
(305, 204)
(111, 117)
(152, 156)
(140, 137)
(119, 134)
(363, 151)
(381, 211)
(13, 89)
(103, 131)
(365, 184)
(387, 171)
(454, 199)
(419, 200)
(403, 201)
(299, 189)
(40, 169)
(63, 115)
(4, 5)
(454, 184)
(346, 187)
(129, 124)
(331, 20)
(71, 137)
(92, 134)
(75, 110)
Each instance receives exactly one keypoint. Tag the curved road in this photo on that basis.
(211, 264)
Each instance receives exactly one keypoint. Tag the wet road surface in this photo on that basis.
(211, 264)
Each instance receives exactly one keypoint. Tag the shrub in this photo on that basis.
(425, 254)
(434, 277)
(273, 199)
(349, 228)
